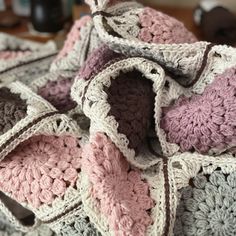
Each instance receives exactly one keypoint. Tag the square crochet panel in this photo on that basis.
(207, 195)
(41, 169)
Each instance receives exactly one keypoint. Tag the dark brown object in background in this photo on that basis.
(47, 16)
(183, 14)
(219, 26)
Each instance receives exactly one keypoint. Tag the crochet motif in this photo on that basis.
(41, 169)
(158, 27)
(58, 93)
(205, 121)
(96, 61)
(132, 104)
(73, 37)
(80, 226)
(207, 207)
(12, 109)
(120, 193)
(6, 55)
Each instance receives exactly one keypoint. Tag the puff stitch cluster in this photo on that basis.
(157, 27)
(41, 169)
(122, 196)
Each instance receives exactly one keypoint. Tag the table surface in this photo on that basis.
(183, 14)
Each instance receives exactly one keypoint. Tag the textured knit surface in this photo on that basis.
(146, 149)
(58, 93)
(96, 61)
(41, 169)
(157, 27)
(80, 226)
(132, 103)
(119, 192)
(207, 206)
(12, 109)
(206, 121)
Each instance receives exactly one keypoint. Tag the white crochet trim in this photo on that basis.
(188, 165)
(43, 50)
(183, 58)
(75, 59)
(29, 70)
(70, 199)
(68, 219)
(220, 58)
(10, 42)
(97, 108)
(36, 107)
(119, 8)
(155, 178)
(51, 76)
(91, 209)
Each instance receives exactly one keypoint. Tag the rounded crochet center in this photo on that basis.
(207, 206)
(41, 169)
(12, 109)
(207, 121)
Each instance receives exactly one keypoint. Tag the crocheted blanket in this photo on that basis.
(130, 130)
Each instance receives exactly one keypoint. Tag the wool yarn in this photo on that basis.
(204, 122)
(129, 133)
(81, 41)
(23, 60)
(58, 93)
(8, 55)
(73, 37)
(207, 206)
(157, 27)
(132, 100)
(96, 61)
(12, 109)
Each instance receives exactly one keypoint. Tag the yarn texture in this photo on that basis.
(72, 37)
(120, 193)
(129, 130)
(132, 103)
(58, 93)
(7, 55)
(206, 121)
(12, 109)
(157, 27)
(41, 169)
(207, 207)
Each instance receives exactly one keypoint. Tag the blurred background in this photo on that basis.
(43, 20)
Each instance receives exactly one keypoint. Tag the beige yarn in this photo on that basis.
(173, 69)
